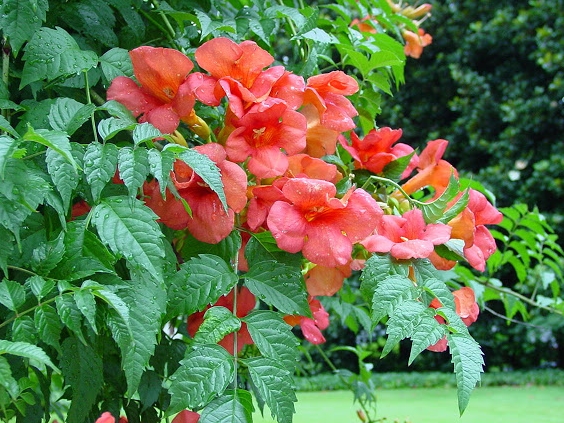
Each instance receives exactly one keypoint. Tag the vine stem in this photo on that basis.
(5, 69)
(89, 99)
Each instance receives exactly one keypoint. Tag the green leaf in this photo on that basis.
(395, 168)
(111, 126)
(144, 132)
(428, 332)
(146, 300)
(133, 166)
(12, 294)
(100, 162)
(53, 54)
(231, 407)
(19, 19)
(434, 211)
(46, 256)
(273, 337)
(279, 285)
(48, 325)
(227, 248)
(6, 248)
(468, 362)
(83, 370)
(160, 165)
(262, 247)
(129, 229)
(86, 303)
(94, 19)
(63, 174)
(275, 385)
(204, 167)
(70, 315)
(199, 282)
(378, 266)
(24, 330)
(218, 322)
(7, 380)
(118, 110)
(68, 115)
(407, 316)
(204, 373)
(286, 12)
(390, 292)
(38, 357)
(55, 140)
(40, 287)
(5, 126)
(318, 35)
(116, 62)
(8, 146)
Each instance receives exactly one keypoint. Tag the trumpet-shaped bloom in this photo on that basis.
(303, 165)
(246, 302)
(377, 149)
(164, 97)
(433, 171)
(262, 199)
(326, 281)
(262, 133)
(469, 226)
(465, 306)
(107, 417)
(414, 42)
(407, 236)
(323, 227)
(209, 222)
(311, 328)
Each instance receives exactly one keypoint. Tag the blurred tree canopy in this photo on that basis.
(492, 83)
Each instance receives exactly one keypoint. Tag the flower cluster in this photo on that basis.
(271, 149)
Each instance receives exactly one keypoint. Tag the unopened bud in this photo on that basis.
(415, 13)
(361, 415)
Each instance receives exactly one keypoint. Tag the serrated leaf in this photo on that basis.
(468, 361)
(8, 147)
(46, 256)
(390, 292)
(68, 115)
(86, 303)
(63, 174)
(55, 140)
(231, 407)
(199, 282)
(52, 54)
(204, 373)
(83, 371)
(23, 330)
(204, 167)
(144, 132)
(262, 247)
(129, 228)
(428, 332)
(395, 168)
(111, 126)
(160, 165)
(279, 285)
(377, 267)
(218, 322)
(318, 35)
(7, 380)
(145, 298)
(70, 315)
(227, 248)
(23, 349)
(6, 127)
(133, 166)
(19, 19)
(273, 337)
(12, 294)
(40, 287)
(100, 163)
(402, 323)
(149, 388)
(116, 62)
(456, 208)
(118, 110)
(274, 384)
(440, 290)
(286, 12)
(433, 211)
(48, 325)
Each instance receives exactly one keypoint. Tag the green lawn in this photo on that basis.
(534, 404)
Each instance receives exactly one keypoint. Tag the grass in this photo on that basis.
(526, 404)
